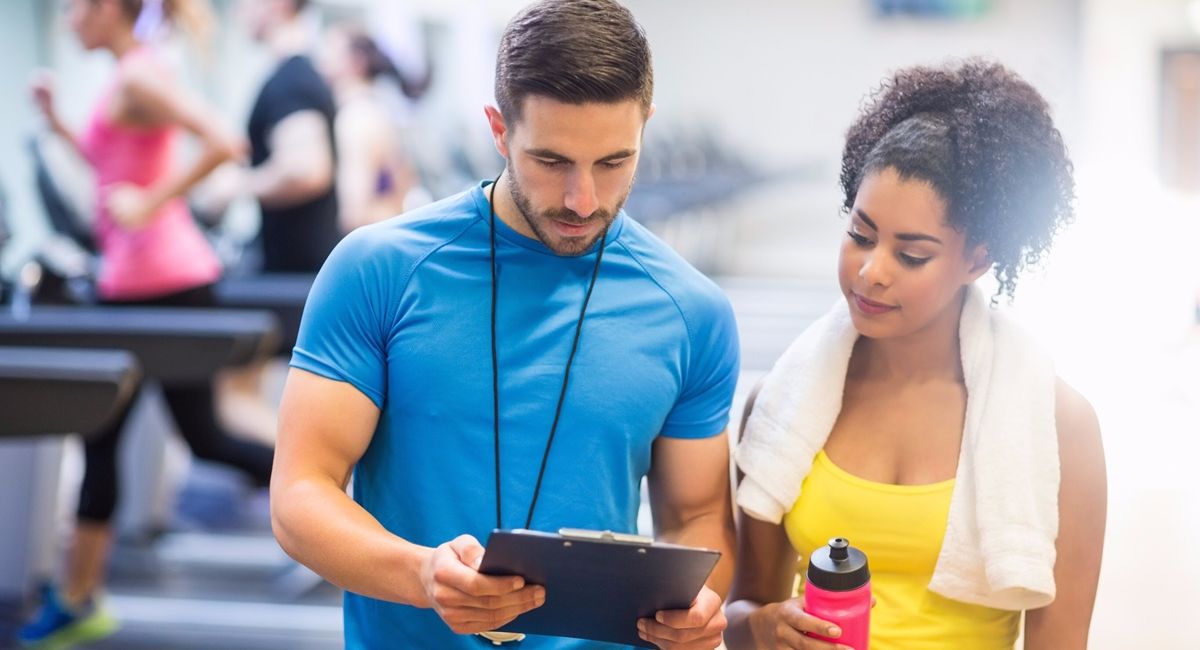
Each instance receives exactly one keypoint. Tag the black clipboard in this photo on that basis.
(598, 584)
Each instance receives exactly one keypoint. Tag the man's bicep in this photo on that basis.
(324, 428)
(302, 140)
(689, 477)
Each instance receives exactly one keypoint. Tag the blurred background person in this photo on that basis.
(291, 176)
(152, 253)
(375, 174)
(292, 152)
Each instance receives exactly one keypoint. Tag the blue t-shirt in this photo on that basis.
(401, 310)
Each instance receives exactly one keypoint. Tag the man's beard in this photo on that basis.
(561, 245)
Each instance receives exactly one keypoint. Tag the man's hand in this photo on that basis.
(696, 628)
(467, 600)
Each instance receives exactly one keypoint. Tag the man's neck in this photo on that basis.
(288, 39)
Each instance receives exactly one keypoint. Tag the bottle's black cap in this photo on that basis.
(838, 567)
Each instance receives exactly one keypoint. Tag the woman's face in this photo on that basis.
(335, 59)
(92, 21)
(902, 265)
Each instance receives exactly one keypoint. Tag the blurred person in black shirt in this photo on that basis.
(292, 150)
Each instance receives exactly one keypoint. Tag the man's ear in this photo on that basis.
(980, 261)
(499, 129)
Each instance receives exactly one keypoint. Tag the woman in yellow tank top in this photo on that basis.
(947, 173)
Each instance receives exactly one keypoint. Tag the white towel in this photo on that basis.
(999, 545)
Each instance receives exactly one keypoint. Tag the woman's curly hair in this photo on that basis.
(983, 138)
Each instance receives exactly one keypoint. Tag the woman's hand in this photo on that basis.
(131, 206)
(42, 89)
(787, 625)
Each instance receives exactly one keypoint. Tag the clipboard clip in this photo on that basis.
(605, 536)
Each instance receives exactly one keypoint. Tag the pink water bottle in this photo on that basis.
(838, 589)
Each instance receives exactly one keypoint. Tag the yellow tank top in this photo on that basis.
(900, 528)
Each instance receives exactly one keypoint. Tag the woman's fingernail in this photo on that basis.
(641, 627)
(834, 631)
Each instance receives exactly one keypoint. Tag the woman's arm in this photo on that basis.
(1082, 507)
(43, 97)
(764, 577)
(152, 100)
(761, 611)
(358, 164)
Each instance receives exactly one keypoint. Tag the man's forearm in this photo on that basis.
(321, 527)
(709, 531)
(276, 185)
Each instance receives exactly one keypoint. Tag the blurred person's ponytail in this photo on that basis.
(195, 18)
(378, 63)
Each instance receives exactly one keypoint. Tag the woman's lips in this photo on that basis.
(870, 306)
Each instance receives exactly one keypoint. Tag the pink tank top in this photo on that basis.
(167, 255)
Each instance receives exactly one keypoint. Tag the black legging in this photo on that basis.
(194, 413)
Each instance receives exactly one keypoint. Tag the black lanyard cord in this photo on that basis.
(562, 394)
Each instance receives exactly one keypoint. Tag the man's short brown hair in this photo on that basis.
(573, 51)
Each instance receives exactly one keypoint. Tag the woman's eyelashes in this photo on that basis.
(912, 260)
(862, 241)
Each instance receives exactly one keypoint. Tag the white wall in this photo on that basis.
(785, 78)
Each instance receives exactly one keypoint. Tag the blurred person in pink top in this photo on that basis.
(152, 253)
(149, 244)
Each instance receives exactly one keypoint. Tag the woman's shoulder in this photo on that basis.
(1079, 440)
(361, 118)
(1072, 410)
(364, 107)
(142, 74)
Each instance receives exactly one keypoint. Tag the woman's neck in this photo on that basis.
(931, 353)
(123, 43)
(349, 88)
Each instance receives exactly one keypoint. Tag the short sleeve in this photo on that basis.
(711, 372)
(343, 332)
(297, 89)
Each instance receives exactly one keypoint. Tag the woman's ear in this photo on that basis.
(980, 262)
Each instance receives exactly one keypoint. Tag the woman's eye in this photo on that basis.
(859, 239)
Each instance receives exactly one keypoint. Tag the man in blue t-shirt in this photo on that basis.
(520, 355)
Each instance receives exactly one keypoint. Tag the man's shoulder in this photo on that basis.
(409, 237)
(296, 80)
(692, 291)
(298, 67)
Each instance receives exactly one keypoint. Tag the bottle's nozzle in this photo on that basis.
(839, 549)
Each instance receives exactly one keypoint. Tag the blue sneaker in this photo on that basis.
(57, 627)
